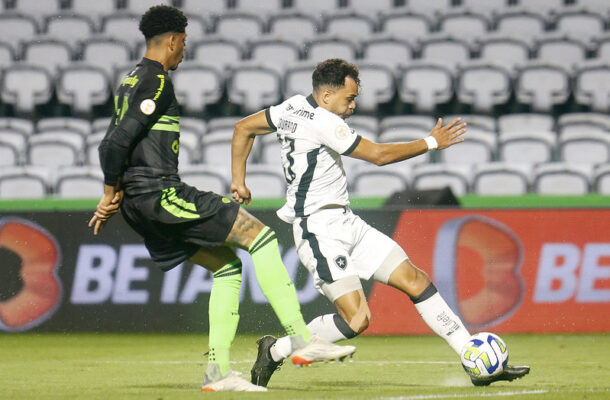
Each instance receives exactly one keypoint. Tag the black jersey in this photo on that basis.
(146, 95)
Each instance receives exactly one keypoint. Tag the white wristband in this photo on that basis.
(431, 142)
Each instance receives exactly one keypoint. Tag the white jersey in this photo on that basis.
(312, 141)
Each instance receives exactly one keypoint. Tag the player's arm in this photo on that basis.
(440, 137)
(243, 138)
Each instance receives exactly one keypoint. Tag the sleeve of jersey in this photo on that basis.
(272, 115)
(339, 137)
(145, 106)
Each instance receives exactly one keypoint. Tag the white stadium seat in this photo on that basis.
(79, 182)
(601, 180)
(387, 51)
(322, 49)
(83, 87)
(378, 87)
(52, 55)
(27, 182)
(425, 85)
(592, 87)
(254, 88)
(206, 177)
(526, 146)
(439, 176)
(483, 86)
(350, 26)
(520, 122)
(410, 26)
(25, 86)
(221, 54)
(275, 54)
(542, 86)
(266, 181)
(197, 86)
(241, 27)
(296, 28)
(368, 180)
(562, 179)
(70, 28)
(501, 179)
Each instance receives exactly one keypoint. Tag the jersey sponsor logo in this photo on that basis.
(341, 262)
(175, 146)
(130, 81)
(147, 107)
(301, 112)
(341, 132)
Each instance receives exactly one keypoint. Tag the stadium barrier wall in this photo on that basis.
(545, 270)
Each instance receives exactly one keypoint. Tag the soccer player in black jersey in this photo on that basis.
(139, 158)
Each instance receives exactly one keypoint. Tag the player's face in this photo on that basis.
(179, 47)
(343, 101)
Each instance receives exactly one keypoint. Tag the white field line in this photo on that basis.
(464, 395)
(203, 360)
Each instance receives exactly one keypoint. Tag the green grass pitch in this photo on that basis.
(165, 367)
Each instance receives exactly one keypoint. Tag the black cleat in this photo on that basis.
(510, 373)
(264, 366)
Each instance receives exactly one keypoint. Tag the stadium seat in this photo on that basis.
(373, 8)
(599, 6)
(221, 54)
(430, 8)
(189, 147)
(82, 87)
(368, 122)
(266, 181)
(194, 124)
(582, 25)
(369, 180)
(91, 144)
(321, 49)
(316, 8)
(478, 148)
(560, 51)
(297, 80)
(601, 180)
(483, 86)
(523, 122)
(56, 147)
(26, 182)
(439, 176)
(207, 9)
(584, 148)
(7, 55)
(469, 26)
(378, 88)
(297, 28)
(84, 182)
(13, 142)
(501, 179)
(387, 51)
(222, 123)
(526, 147)
(52, 55)
(107, 54)
(575, 129)
(504, 51)
(600, 118)
(406, 133)
(425, 85)
(542, 86)
(16, 29)
(122, 27)
(207, 177)
(486, 7)
(355, 27)
(195, 30)
(562, 179)
(542, 6)
(260, 8)
(26, 86)
(270, 150)
(240, 27)
(70, 28)
(141, 6)
(37, 9)
(80, 125)
(254, 88)
(592, 86)
(94, 9)
(521, 25)
(197, 86)
(216, 147)
(409, 26)
(24, 125)
(274, 54)
(447, 51)
(479, 121)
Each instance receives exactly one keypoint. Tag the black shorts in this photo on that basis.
(179, 220)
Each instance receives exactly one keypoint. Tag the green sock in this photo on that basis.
(224, 313)
(276, 284)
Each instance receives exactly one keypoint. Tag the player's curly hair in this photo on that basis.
(332, 72)
(162, 19)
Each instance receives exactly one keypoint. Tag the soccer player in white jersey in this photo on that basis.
(332, 242)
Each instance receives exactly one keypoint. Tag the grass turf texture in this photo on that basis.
(139, 366)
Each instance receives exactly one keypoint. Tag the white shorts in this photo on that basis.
(334, 244)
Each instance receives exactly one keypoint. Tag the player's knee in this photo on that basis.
(360, 326)
(409, 279)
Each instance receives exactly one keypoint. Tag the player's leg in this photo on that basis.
(223, 312)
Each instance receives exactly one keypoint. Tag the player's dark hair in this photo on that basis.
(162, 19)
(332, 72)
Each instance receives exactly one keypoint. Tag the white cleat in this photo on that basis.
(321, 350)
(231, 382)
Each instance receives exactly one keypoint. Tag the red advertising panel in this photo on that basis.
(510, 270)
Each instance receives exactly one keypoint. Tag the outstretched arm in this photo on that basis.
(387, 153)
(243, 138)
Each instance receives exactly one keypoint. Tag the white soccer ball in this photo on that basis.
(485, 354)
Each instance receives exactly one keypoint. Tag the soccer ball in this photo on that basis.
(484, 355)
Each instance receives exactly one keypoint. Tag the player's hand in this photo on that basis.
(108, 206)
(449, 134)
(241, 193)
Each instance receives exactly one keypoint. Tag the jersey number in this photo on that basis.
(288, 172)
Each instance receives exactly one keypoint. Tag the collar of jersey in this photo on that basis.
(153, 63)
(312, 101)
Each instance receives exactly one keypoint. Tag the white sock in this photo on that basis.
(439, 317)
(330, 327)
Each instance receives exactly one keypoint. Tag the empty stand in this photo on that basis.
(26, 86)
(197, 86)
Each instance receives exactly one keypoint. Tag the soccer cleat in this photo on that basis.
(320, 350)
(265, 365)
(231, 382)
(510, 373)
